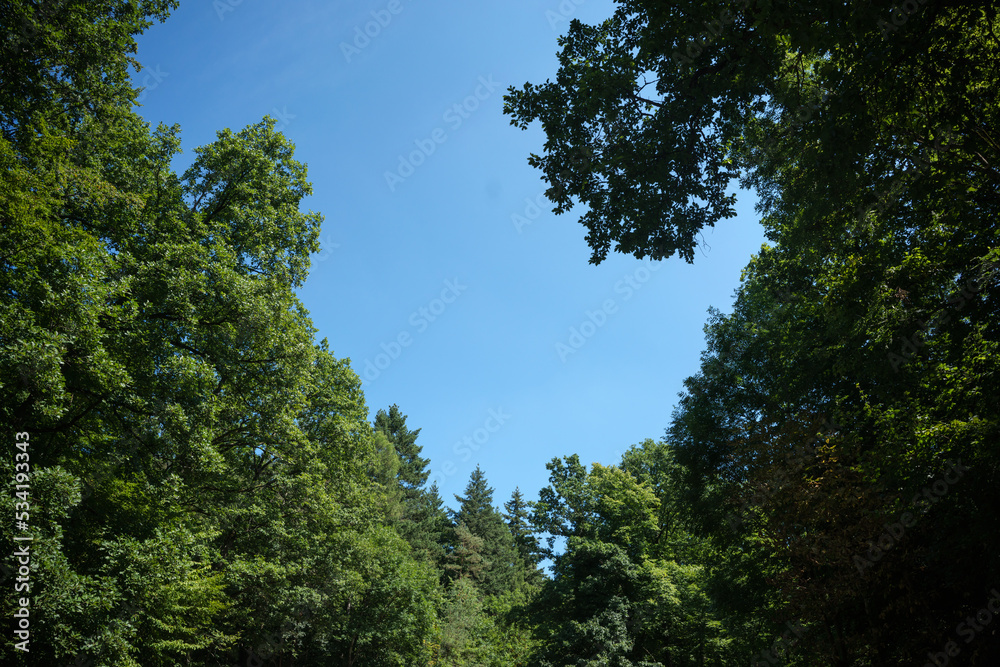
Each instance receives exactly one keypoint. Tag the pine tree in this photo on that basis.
(519, 526)
(426, 526)
(476, 508)
(423, 521)
(466, 559)
(382, 469)
(413, 470)
(503, 571)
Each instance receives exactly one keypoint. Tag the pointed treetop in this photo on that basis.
(517, 516)
(477, 504)
(413, 470)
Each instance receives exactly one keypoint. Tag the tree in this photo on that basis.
(428, 527)
(463, 619)
(465, 561)
(517, 516)
(863, 338)
(655, 112)
(614, 597)
(809, 474)
(413, 470)
(423, 521)
(205, 471)
(66, 65)
(476, 511)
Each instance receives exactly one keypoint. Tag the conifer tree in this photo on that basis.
(517, 518)
(466, 559)
(476, 507)
(423, 521)
(413, 470)
(426, 526)
(476, 511)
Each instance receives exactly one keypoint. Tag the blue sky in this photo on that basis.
(438, 252)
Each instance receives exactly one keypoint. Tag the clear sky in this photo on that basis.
(438, 251)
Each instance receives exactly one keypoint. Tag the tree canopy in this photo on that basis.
(656, 113)
(215, 492)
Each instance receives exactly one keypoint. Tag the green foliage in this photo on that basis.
(620, 593)
(655, 113)
(206, 485)
(413, 470)
(426, 525)
(422, 519)
(502, 568)
(463, 620)
(860, 356)
(465, 560)
(66, 62)
(517, 516)
(212, 491)
(490, 631)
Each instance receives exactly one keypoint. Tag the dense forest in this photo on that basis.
(206, 485)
